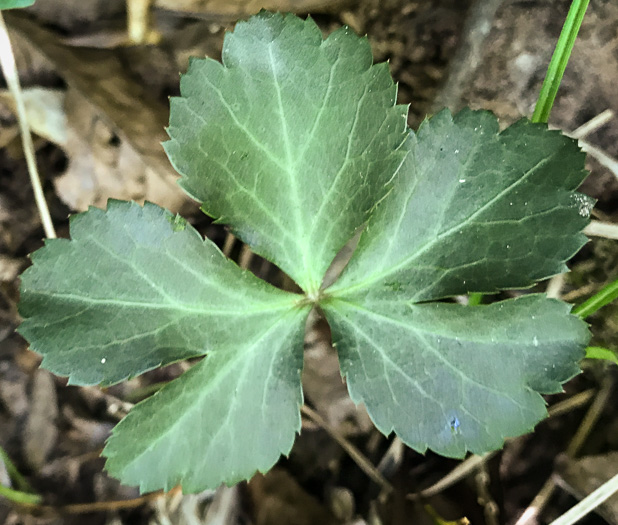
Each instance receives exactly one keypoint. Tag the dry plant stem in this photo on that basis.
(9, 69)
(591, 417)
(593, 124)
(359, 458)
(468, 466)
(603, 158)
(461, 471)
(245, 258)
(590, 127)
(554, 287)
(464, 64)
(391, 461)
(98, 506)
(138, 13)
(573, 402)
(589, 503)
(485, 499)
(531, 514)
(228, 244)
(607, 230)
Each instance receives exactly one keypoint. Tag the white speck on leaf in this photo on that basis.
(103, 361)
(583, 204)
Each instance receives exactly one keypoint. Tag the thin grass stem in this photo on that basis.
(17, 496)
(602, 298)
(14, 473)
(559, 60)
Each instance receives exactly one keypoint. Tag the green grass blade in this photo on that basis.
(559, 60)
(19, 497)
(598, 352)
(14, 473)
(605, 296)
(474, 299)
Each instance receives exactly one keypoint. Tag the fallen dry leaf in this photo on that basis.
(118, 107)
(41, 432)
(44, 111)
(101, 166)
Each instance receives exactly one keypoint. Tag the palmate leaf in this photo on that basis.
(143, 279)
(138, 287)
(296, 142)
(233, 413)
(453, 378)
(471, 210)
(474, 210)
(291, 141)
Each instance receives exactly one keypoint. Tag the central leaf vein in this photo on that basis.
(291, 170)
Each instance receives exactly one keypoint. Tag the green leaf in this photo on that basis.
(233, 413)
(597, 352)
(291, 141)
(296, 143)
(136, 288)
(14, 4)
(453, 378)
(473, 210)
